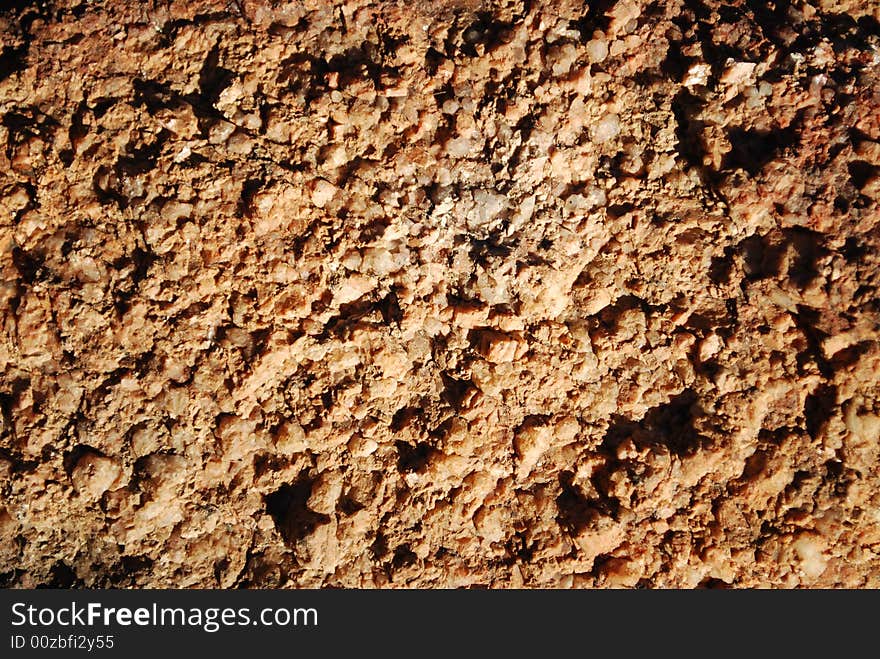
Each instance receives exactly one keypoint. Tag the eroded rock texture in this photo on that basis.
(440, 293)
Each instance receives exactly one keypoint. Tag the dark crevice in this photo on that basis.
(287, 507)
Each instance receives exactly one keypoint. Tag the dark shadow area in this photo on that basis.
(455, 391)
(413, 458)
(287, 506)
(213, 78)
(753, 148)
(819, 407)
(670, 425)
(860, 172)
(689, 129)
(62, 576)
(575, 511)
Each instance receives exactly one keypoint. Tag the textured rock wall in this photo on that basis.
(440, 293)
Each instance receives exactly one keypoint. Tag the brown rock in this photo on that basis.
(95, 474)
(285, 306)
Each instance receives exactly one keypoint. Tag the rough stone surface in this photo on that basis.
(448, 293)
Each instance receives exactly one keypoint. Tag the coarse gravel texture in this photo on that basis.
(440, 294)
